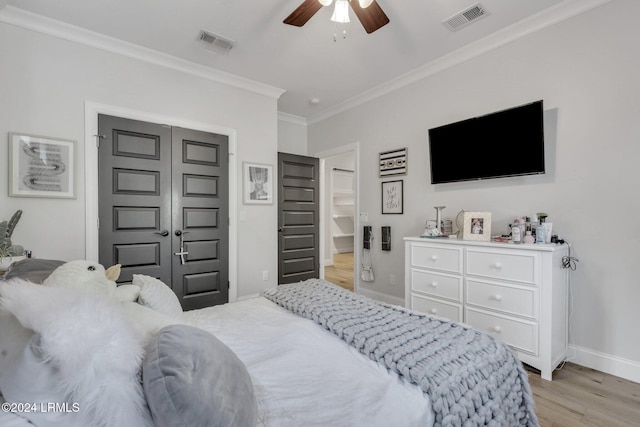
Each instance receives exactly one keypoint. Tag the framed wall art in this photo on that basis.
(41, 166)
(392, 197)
(393, 162)
(477, 226)
(258, 184)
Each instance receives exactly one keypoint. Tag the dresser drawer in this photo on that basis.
(518, 300)
(436, 284)
(448, 310)
(519, 334)
(438, 258)
(517, 267)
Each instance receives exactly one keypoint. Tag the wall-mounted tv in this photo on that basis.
(500, 144)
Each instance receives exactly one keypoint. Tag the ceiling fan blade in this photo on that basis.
(303, 13)
(371, 18)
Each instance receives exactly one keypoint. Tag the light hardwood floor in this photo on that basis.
(580, 396)
(577, 396)
(341, 272)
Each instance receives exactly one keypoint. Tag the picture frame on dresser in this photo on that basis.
(476, 226)
(41, 166)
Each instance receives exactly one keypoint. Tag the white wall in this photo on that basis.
(44, 84)
(292, 135)
(584, 71)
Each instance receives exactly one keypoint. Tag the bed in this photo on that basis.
(313, 361)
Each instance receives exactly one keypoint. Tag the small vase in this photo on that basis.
(528, 238)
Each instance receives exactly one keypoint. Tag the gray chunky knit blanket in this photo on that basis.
(470, 377)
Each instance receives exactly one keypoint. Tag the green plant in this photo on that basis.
(6, 231)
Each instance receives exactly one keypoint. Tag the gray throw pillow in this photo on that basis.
(34, 270)
(192, 379)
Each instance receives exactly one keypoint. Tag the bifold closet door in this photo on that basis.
(163, 207)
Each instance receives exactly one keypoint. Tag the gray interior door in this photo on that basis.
(200, 215)
(298, 218)
(163, 207)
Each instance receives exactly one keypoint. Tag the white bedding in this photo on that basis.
(8, 419)
(305, 375)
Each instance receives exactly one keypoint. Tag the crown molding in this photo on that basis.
(291, 118)
(539, 21)
(38, 23)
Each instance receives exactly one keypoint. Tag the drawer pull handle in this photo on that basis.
(497, 265)
(433, 311)
(497, 329)
(434, 284)
(434, 257)
(497, 297)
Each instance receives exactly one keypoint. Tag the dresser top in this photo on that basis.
(550, 247)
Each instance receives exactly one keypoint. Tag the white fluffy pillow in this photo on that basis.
(88, 345)
(157, 296)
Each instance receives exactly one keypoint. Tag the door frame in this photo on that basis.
(92, 110)
(323, 155)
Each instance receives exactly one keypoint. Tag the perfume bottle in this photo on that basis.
(528, 238)
(515, 234)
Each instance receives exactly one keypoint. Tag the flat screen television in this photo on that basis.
(501, 144)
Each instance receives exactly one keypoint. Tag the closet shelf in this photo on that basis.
(343, 235)
(342, 216)
(342, 211)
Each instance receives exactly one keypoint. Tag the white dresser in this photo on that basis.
(518, 293)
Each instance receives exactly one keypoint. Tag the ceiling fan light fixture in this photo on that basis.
(341, 12)
(365, 3)
(326, 2)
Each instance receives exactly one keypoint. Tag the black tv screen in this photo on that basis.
(501, 144)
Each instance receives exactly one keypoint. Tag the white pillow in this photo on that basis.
(157, 296)
(148, 321)
(127, 293)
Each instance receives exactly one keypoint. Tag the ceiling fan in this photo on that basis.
(368, 12)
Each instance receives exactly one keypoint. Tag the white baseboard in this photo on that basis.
(379, 296)
(328, 262)
(613, 365)
(250, 296)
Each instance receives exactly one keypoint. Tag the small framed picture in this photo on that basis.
(392, 197)
(258, 184)
(40, 166)
(477, 226)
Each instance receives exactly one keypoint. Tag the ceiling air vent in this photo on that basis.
(465, 17)
(215, 42)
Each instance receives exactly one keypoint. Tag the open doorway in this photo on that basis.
(340, 216)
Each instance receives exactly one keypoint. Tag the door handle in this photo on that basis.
(280, 229)
(182, 252)
(163, 233)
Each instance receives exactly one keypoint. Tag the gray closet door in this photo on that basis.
(163, 207)
(298, 218)
(200, 218)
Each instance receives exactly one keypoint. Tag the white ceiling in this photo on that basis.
(306, 62)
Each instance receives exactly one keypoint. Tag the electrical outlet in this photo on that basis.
(265, 275)
(392, 279)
